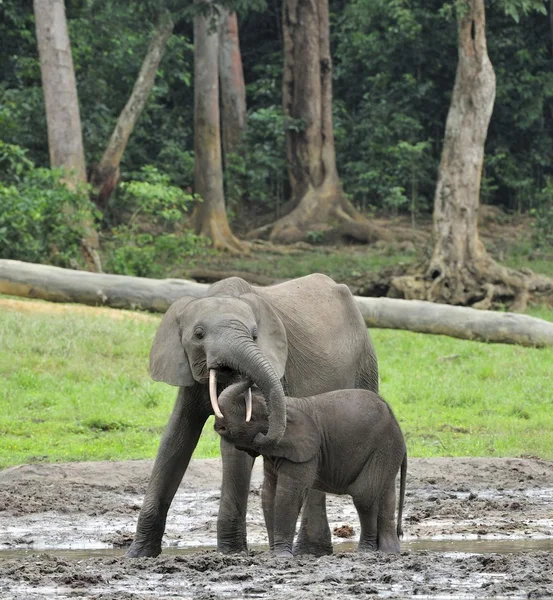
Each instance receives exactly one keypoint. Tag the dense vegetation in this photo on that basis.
(394, 65)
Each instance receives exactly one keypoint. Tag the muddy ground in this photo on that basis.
(474, 528)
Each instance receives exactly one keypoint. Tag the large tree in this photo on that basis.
(461, 271)
(65, 141)
(233, 88)
(105, 175)
(317, 194)
(210, 214)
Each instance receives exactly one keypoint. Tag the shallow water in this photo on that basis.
(463, 546)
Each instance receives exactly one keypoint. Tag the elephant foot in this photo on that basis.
(137, 550)
(389, 544)
(367, 547)
(313, 548)
(283, 554)
(231, 548)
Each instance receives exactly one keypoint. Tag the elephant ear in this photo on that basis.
(301, 440)
(168, 360)
(271, 334)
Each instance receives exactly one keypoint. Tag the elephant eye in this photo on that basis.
(199, 333)
(254, 334)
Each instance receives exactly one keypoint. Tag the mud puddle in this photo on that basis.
(474, 528)
(500, 546)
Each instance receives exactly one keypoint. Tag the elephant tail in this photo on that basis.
(403, 477)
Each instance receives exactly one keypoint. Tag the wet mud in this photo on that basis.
(474, 528)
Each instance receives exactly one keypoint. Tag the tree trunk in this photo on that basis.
(233, 88)
(105, 174)
(120, 291)
(307, 102)
(457, 246)
(461, 271)
(210, 215)
(65, 141)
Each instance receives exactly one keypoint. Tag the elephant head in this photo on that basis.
(299, 443)
(224, 337)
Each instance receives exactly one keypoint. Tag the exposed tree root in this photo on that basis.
(482, 284)
(324, 209)
(91, 256)
(222, 238)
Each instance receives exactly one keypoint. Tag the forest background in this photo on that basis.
(394, 66)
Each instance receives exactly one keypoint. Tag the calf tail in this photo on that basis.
(403, 476)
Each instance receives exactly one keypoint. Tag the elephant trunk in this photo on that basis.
(233, 391)
(248, 359)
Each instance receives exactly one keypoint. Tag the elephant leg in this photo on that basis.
(231, 522)
(291, 492)
(367, 509)
(268, 503)
(387, 534)
(314, 535)
(177, 444)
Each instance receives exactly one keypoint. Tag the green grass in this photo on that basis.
(76, 387)
(459, 398)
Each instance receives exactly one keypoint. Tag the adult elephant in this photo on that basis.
(305, 336)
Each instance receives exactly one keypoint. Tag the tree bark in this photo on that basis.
(210, 215)
(120, 291)
(65, 140)
(233, 87)
(105, 174)
(461, 271)
(307, 102)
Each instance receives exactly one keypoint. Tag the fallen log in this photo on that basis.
(456, 321)
(121, 291)
(55, 284)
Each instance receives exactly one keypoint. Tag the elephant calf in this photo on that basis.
(342, 442)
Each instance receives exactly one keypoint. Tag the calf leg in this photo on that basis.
(367, 509)
(387, 534)
(314, 535)
(293, 483)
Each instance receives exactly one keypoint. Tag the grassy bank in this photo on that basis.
(76, 387)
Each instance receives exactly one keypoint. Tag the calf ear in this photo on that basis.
(301, 440)
(168, 360)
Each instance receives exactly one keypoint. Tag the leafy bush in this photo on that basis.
(256, 176)
(41, 219)
(153, 235)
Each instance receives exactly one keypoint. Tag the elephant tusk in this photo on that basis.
(248, 405)
(213, 393)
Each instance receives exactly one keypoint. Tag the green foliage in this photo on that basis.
(393, 71)
(517, 8)
(41, 219)
(153, 195)
(152, 235)
(255, 177)
(392, 89)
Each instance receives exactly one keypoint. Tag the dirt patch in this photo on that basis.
(95, 505)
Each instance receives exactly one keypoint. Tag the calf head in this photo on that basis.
(301, 439)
